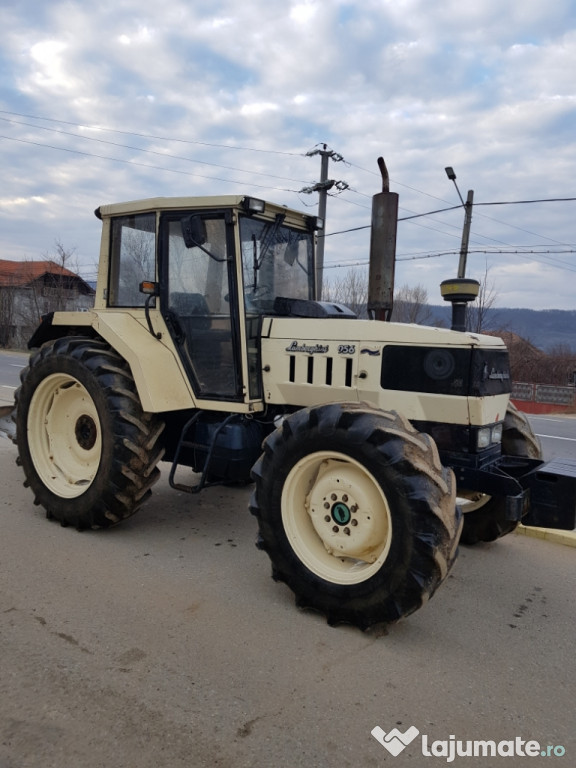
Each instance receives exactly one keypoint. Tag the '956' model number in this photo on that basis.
(346, 349)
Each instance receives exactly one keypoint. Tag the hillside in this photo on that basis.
(544, 328)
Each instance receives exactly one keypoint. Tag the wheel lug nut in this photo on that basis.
(327, 518)
(326, 505)
(335, 529)
(347, 531)
(345, 498)
(354, 522)
(333, 497)
(354, 508)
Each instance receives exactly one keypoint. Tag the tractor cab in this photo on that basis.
(212, 267)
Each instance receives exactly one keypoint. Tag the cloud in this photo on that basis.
(485, 87)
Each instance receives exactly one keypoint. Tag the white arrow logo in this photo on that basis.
(395, 741)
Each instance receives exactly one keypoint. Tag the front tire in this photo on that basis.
(356, 513)
(486, 519)
(88, 450)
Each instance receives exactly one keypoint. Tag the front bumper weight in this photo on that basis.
(553, 496)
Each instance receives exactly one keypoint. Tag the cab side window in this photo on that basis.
(132, 258)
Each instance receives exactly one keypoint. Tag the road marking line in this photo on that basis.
(554, 437)
(7, 386)
(543, 418)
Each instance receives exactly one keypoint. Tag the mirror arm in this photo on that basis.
(149, 319)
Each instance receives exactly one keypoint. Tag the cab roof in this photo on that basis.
(151, 204)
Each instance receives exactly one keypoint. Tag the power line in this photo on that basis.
(421, 257)
(143, 165)
(149, 151)
(478, 214)
(255, 185)
(525, 202)
(152, 136)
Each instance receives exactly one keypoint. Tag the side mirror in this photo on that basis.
(149, 288)
(193, 230)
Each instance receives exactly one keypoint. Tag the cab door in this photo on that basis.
(199, 299)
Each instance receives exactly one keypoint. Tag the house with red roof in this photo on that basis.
(30, 289)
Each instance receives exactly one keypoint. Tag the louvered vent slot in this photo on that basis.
(348, 382)
(310, 374)
(329, 371)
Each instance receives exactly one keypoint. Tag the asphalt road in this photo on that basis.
(11, 363)
(557, 434)
(164, 642)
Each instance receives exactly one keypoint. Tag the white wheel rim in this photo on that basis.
(471, 501)
(64, 435)
(336, 517)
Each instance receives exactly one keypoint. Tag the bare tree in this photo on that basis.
(351, 290)
(561, 365)
(411, 305)
(480, 314)
(527, 362)
(57, 282)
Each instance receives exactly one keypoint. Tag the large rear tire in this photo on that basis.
(485, 516)
(88, 450)
(356, 513)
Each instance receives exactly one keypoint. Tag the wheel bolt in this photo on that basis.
(333, 497)
(354, 522)
(327, 518)
(326, 505)
(345, 498)
(335, 529)
(354, 508)
(347, 531)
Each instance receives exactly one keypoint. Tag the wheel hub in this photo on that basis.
(341, 513)
(86, 432)
(345, 510)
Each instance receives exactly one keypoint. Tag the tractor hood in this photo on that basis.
(428, 374)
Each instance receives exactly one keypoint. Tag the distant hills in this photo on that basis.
(544, 328)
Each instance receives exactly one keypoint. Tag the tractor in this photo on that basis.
(373, 447)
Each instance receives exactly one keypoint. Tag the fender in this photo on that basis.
(148, 357)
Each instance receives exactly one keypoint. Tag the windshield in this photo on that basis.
(276, 261)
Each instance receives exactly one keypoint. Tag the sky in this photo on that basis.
(112, 101)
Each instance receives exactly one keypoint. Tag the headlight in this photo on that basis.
(497, 433)
(487, 436)
(483, 437)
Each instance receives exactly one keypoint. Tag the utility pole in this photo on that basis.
(322, 187)
(466, 233)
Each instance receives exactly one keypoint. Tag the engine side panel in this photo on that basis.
(344, 362)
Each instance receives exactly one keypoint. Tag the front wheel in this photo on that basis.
(88, 450)
(356, 513)
(485, 517)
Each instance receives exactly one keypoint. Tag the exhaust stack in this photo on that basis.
(382, 249)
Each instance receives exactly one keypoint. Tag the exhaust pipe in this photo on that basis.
(382, 249)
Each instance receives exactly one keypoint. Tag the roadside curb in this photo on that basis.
(568, 538)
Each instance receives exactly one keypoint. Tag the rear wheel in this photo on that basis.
(485, 516)
(356, 513)
(88, 450)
